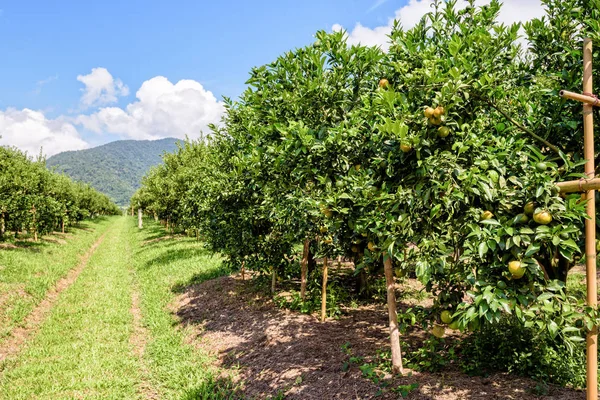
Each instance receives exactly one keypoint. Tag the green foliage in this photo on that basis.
(35, 199)
(432, 356)
(510, 346)
(116, 168)
(433, 168)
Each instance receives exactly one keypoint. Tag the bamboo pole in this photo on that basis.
(580, 185)
(304, 269)
(590, 223)
(393, 315)
(584, 98)
(324, 291)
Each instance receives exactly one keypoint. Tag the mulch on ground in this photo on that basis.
(273, 351)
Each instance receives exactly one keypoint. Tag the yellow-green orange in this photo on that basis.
(542, 217)
(446, 316)
(516, 269)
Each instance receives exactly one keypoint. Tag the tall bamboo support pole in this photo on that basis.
(590, 223)
(393, 315)
(324, 291)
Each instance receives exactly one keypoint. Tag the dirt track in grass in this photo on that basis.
(273, 351)
(20, 334)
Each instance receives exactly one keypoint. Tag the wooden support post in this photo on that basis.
(393, 315)
(590, 223)
(140, 224)
(273, 280)
(304, 269)
(324, 291)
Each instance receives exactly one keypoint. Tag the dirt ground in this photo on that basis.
(277, 352)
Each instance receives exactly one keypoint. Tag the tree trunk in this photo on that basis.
(140, 223)
(324, 291)
(155, 217)
(62, 225)
(2, 227)
(243, 270)
(167, 224)
(304, 269)
(393, 315)
(273, 280)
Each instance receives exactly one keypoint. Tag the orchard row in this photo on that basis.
(38, 201)
(439, 155)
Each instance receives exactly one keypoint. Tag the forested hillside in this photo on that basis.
(114, 168)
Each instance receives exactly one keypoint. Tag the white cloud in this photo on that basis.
(101, 88)
(409, 15)
(162, 109)
(30, 130)
(377, 4)
(42, 83)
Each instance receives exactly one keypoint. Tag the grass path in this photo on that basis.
(111, 335)
(20, 334)
(29, 270)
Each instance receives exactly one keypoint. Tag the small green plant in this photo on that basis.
(433, 355)
(404, 390)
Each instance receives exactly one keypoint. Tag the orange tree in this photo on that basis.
(40, 201)
(439, 153)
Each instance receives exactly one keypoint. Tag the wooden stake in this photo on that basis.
(324, 291)
(590, 223)
(304, 269)
(393, 315)
(243, 270)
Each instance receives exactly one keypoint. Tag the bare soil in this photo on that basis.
(273, 351)
(20, 334)
(139, 340)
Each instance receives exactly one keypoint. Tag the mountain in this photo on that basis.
(115, 168)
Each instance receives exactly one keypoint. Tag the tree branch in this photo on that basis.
(521, 127)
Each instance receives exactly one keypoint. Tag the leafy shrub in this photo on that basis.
(509, 346)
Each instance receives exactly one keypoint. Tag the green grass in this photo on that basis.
(30, 269)
(163, 268)
(85, 350)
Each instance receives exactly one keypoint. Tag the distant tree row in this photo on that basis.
(38, 201)
(438, 158)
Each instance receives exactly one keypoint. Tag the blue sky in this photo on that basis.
(215, 43)
(47, 45)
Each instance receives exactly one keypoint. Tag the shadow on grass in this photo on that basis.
(181, 287)
(175, 255)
